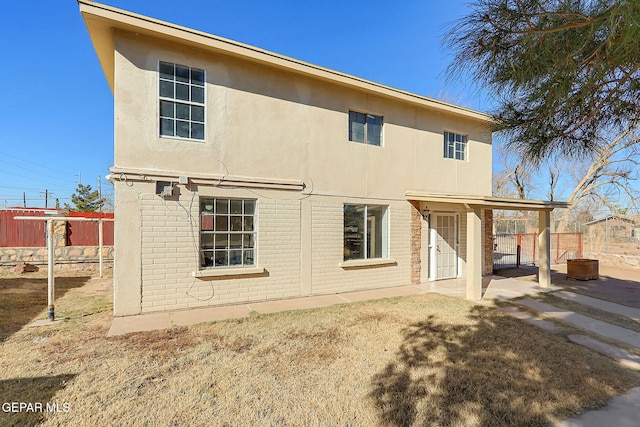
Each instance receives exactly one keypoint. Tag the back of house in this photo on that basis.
(243, 175)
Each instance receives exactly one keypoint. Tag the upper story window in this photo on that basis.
(181, 92)
(455, 146)
(365, 128)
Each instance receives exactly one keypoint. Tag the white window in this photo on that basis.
(365, 128)
(181, 94)
(455, 146)
(365, 232)
(227, 232)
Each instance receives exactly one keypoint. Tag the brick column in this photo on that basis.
(416, 241)
(487, 232)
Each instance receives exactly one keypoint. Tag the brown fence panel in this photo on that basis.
(19, 234)
(85, 233)
(514, 250)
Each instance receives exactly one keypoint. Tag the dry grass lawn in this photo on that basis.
(422, 360)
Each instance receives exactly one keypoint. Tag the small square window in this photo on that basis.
(365, 128)
(455, 146)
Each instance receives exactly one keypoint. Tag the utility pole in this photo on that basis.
(47, 194)
(24, 199)
(100, 192)
(79, 177)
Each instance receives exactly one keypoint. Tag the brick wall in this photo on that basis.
(416, 242)
(487, 245)
(170, 241)
(327, 236)
(170, 255)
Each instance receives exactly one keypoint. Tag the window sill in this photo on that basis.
(363, 263)
(234, 271)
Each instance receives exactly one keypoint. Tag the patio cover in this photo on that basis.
(474, 206)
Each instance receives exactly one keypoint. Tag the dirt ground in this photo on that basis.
(410, 361)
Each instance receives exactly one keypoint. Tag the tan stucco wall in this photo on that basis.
(265, 123)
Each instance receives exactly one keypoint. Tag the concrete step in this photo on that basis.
(598, 327)
(622, 310)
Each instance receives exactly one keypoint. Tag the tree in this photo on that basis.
(85, 200)
(566, 72)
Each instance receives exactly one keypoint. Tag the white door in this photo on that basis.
(444, 246)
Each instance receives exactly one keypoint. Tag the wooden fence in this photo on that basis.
(32, 234)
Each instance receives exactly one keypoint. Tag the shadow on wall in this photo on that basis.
(39, 392)
(24, 298)
(477, 374)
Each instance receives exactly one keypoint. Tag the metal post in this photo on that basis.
(606, 235)
(50, 281)
(100, 244)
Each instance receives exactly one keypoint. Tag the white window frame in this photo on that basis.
(236, 225)
(366, 126)
(455, 149)
(194, 88)
(384, 231)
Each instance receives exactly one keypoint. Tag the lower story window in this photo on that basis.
(365, 232)
(227, 232)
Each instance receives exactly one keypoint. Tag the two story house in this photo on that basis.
(243, 175)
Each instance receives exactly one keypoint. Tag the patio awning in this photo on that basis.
(488, 202)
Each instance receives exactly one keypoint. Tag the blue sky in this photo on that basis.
(57, 113)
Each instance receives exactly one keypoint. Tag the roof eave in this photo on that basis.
(488, 202)
(102, 20)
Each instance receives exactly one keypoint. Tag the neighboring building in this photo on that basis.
(243, 175)
(612, 227)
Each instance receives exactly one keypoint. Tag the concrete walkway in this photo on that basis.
(596, 326)
(619, 309)
(622, 411)
(495, 287)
